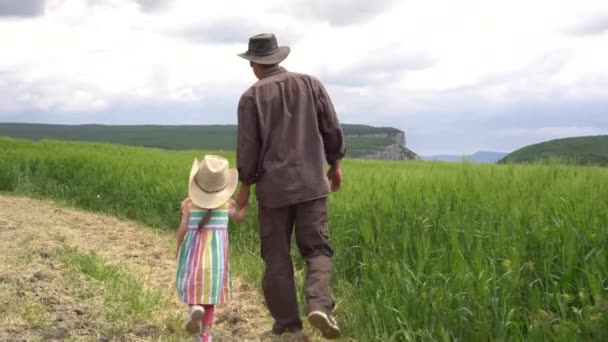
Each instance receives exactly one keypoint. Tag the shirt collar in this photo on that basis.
(273, 71)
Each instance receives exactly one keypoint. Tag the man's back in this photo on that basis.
(288, 128)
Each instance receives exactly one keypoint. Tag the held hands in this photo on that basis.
(238, 207)
(237, 214)
(242, 199)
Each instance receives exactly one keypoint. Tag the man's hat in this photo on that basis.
(263, 49)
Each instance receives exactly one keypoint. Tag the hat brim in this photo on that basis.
(211, 200)
(275, 58)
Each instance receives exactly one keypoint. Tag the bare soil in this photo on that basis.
(38, 301)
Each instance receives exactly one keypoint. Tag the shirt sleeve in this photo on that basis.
(248, 141)
(329, 127)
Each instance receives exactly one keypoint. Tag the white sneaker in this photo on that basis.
(326, 324)
(193, 327)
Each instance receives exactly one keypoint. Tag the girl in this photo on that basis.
(203, 272)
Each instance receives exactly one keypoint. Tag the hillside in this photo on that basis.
(580, 150)
(361, 140)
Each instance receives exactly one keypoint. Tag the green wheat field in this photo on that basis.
(424, 251)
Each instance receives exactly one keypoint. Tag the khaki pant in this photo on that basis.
(276, 225)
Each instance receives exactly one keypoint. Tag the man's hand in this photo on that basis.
(335, 176)
(242, 199)
(236, 213)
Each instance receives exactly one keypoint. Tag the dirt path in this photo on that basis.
(52, 288)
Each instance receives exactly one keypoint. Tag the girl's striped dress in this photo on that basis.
(203, 272)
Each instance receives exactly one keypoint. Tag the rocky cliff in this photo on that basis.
(394, 151)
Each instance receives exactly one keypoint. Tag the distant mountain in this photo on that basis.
(362, 141)
(444, 157)
(487, 156)
(580, 150)
(477, 157)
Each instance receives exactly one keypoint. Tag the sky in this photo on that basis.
(456, 76)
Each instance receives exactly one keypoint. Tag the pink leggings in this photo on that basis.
(208, 318)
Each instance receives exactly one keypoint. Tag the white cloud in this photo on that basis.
(403, 62)
(153, 5)
(336, 12)
(595, 24)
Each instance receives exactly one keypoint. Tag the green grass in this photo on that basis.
(127, 303)
(26, 308)
(423, 250)
(580, 150)
(17, 305)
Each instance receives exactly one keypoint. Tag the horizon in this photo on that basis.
(456, 77)
(440, 154)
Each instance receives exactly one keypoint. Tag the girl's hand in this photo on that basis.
(185, 206)
(183, 226)
(237, 214)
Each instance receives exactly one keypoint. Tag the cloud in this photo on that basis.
(536, 80)
(225, 31)
(502, 111)
(237, 30)
(482, 83)
(153, 5)
(467, 128)
(148, 6)
(21, 8)
(215, 107)
(595, 25)
(126, 82)
(52, 94)
(337, 12)
(373, 70)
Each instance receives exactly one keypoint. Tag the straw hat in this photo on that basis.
(211, 182)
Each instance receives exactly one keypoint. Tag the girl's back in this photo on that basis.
(203, 271)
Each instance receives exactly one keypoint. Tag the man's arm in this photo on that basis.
(248, 147)
(242, 199)
(333, 137)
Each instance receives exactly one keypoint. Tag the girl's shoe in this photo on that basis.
(193, 327)
(206, 337)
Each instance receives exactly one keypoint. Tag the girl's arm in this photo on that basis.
(235, 213)
(183, 226)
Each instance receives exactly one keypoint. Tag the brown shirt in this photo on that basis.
(287, 130)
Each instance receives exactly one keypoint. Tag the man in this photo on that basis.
(287, 130)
